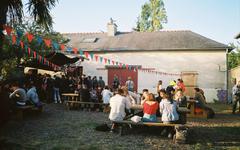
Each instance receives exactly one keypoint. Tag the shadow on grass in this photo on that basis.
(215, 136)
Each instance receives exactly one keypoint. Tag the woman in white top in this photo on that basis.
(168, 109)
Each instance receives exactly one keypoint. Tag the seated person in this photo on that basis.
(150, 107)
(19, 96)
(171, 89)
(201, 103)
(181, 102)
(180, 99)
(32, 95)
(118, 104)
(144, 95)
(93, 96)
(168, 109)
(131, 96)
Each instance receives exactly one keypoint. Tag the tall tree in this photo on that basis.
(152, 16)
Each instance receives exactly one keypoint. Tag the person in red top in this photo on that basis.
(180, 85)
(150, 107)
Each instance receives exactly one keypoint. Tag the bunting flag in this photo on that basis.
(62, 46)
(96, 57)
(86, 54)
(91, 55)
(29, 37)
(29, 51)
(14, 38)
(21, 44)
(80, 52)
(19, 33)
(34, 54)
(120, 65)
(8, 29)
(47, 42)
(55, 45)
(101, 59)
(75, 50)
(39, 40)
(105, 60)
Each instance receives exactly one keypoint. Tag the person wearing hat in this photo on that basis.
(129, 84)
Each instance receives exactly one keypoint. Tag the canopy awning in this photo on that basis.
(60, 59)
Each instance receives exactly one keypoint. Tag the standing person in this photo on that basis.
(116, 82)
(168, 109)
(159, 86)
(118, 104)
(101, 83)
(236, 97)
(56, 89)
(150, 107)
(89, 83)
(129, 84)
(106, 95)
(94, 82)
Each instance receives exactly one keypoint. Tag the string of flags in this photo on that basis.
(16, 36)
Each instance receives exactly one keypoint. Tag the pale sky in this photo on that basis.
(215, 19)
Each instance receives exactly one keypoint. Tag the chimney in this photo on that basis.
(111, 28)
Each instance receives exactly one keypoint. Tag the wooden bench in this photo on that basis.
(21, 110)
(196, 112)
(180, 135)
(85, 105)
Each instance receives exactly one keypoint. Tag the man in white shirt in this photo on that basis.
(118, 104)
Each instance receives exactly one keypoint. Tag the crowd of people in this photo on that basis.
(163, 105)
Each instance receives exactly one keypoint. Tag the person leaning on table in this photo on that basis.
(118, 104)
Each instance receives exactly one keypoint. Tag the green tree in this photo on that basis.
(11, 12)
(234, 56)
(13, 55)
(152, 16)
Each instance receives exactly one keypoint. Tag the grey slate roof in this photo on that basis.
(140, 41)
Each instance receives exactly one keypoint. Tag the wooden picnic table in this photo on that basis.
(192, 107)
(71, 96)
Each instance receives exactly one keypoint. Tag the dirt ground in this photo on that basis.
(57, 128)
